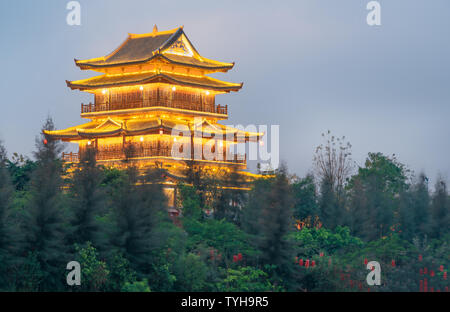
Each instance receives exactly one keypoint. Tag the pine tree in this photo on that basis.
(305, 197)
(440, 208)
(359, 215)
(7, 236)
(44, 216)
(330, 212)
(139, 210)
(88, 202)
(267, 218)
(421, 207)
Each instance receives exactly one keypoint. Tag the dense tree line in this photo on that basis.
(284, 234)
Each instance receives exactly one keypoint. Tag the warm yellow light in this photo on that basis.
(174, 139)
(89, 142)
(220, 143)
(160, 131)
(261, 143)
(104, 91)
(207, 92)
(141, 88)
(174, 88)
(142, 139)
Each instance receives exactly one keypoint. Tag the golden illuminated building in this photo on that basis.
(151, 87)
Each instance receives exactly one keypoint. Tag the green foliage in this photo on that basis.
(94, 272)
(314, 241)
(224, 236)
(246, 279)
(248, 242)
(190, 272)
(191, 202)
(305, 197)
(138, 286)
(120, 273)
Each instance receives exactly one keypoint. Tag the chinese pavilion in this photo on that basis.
(153, 87)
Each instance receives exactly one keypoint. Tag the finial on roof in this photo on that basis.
(155, 29)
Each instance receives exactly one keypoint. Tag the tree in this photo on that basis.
(94, 272)
(44, 215)
(440, 207)
(88, 201)
(383, 179)
(330, 210)
(268, 218)
(305, 197)
(414, 210)
(333, 165)
(360, 215)
(139, 211)
(7, 227)
(332, 161)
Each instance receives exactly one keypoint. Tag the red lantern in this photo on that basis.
(365, 261)
(432, 273)
(313, 263)
(235, 259)
(425, 285)
(445, 275)
(441, 268)
(425, 270)
(239, 256)
(420, 258)
(45, 141)
(300, 262)
(421, 286)
(393, 263)
(446, 288)
(421, 271)
(307, 264)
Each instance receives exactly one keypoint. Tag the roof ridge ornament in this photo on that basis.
(155, 29)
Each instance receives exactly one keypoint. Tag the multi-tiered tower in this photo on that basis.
(151, 84)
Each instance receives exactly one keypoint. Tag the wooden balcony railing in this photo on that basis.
(70, 157)
(103, 107)
(116, 152)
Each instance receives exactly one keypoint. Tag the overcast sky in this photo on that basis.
(307, 65)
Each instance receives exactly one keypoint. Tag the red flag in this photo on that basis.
(239, 256)
(365, 261)
(393, 263)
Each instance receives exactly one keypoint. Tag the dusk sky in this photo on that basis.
(307, 65)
